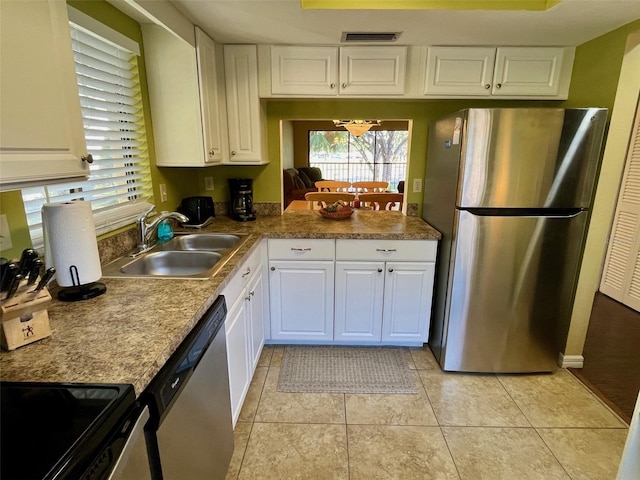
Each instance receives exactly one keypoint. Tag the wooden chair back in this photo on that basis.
(370, 187)
(381, 201)
(332, 186)
(327, 198)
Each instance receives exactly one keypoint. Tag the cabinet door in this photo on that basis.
(255, 306)
(42, 136)
(459, 71)
(244, 112)
(237, 355)
(304, 70)
(212, 101)
(301, 300)
(372, 70)
(358, 307)
(407, 301)
(527, 71)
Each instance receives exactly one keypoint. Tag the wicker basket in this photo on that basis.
(337, 215)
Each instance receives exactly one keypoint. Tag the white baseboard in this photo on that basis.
(570, 361)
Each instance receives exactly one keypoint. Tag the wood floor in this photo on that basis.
(612, 355)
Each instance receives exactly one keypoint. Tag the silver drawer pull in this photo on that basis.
(386, 250)
(247, 272)
(300, 249)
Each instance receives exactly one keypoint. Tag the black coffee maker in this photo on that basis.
(241, 199)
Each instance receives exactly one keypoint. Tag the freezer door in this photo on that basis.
(530, 158)
(511, 290)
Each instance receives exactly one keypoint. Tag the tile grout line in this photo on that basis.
(514, 401)
(552, 452)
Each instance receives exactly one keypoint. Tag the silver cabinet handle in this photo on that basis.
(273, 269)
(87, 158)
(344, 85)
(379, 270)
(498, 85)
(246, 273)
(487, 86)
(333, 85)
(212, 152)
(300, 249)
(386, 250)
(233, 152)
(390, 270)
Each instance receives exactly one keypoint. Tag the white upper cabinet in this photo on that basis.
(245, 114)
(509, 72)
(304, 70)
(188, 125)
(344, 71)
(42, 136)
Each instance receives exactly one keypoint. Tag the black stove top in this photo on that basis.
(54, 431)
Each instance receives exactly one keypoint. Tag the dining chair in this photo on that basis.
(370, 187)
(327, 198)
(381, 201)
(332, 186)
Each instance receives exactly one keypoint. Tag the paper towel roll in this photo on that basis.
(70, 239)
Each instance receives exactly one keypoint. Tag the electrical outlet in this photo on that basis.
(208, 183)
(417, 185)
(5, 233)
(163, 192)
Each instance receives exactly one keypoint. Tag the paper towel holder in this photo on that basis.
(80, 291)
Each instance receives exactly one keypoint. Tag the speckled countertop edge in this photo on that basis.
(127, 334)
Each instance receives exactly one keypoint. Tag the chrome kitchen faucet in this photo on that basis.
(146, 230)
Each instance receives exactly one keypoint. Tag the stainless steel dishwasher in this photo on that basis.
(190, 434)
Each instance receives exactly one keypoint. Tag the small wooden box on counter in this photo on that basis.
(24, 317)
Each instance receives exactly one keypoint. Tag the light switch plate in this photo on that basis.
(5, 233)
(208, 183)
(417, 185)
(163, 192)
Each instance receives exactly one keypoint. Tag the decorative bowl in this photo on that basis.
(338, 214)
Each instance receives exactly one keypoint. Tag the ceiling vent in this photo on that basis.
(349, 37)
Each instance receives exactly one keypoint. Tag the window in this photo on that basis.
(120, 180)
(379, 155)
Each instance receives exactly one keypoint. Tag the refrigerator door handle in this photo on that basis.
(525, 212)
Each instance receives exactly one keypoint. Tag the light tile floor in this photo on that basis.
(457, 426)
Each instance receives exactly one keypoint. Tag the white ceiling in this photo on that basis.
(570, 23)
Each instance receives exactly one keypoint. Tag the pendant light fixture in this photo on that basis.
(357, 128)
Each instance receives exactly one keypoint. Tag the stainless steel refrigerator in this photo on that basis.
(510, 191)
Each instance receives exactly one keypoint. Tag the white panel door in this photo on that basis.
(372, 70)
(407, 301)
(304, 70)
(237, 355)
(527, 71)
(255, 298)
(459, 71)
(244, 115)
(301, 300)
(41, 133)
(358, 309)
(212, 101)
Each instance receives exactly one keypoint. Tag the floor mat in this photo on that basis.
(337, 369)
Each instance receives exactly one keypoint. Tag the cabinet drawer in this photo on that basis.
(387, 250)
(301, 249)
(235, 285)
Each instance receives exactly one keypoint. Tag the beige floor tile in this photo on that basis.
(407, 356)
(558, 400)
(471, 400)
(240, 440)
(587, 454)
(501, 454)
(390, 409)
(424, 360)
(276, 406)
(250, 405)
(265, 356)
(278, 451)
(398, 452)
(276, 356)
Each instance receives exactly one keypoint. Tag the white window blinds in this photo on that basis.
(621, 275)
(119, 180)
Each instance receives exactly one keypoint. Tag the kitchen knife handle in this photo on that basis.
(13, 288)
(34, 271)
(45, 278)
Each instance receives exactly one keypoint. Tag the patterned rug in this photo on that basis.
(337, 369)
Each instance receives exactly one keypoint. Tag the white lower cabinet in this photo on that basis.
(375, 291)
(245, 295)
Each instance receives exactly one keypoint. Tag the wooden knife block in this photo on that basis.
(24, 317)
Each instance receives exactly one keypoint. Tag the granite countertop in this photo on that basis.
(127, 334)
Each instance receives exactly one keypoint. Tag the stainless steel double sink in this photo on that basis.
(185, 256)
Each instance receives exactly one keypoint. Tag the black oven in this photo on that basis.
(64, 431)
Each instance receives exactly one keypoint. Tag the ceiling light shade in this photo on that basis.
(357, 127)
